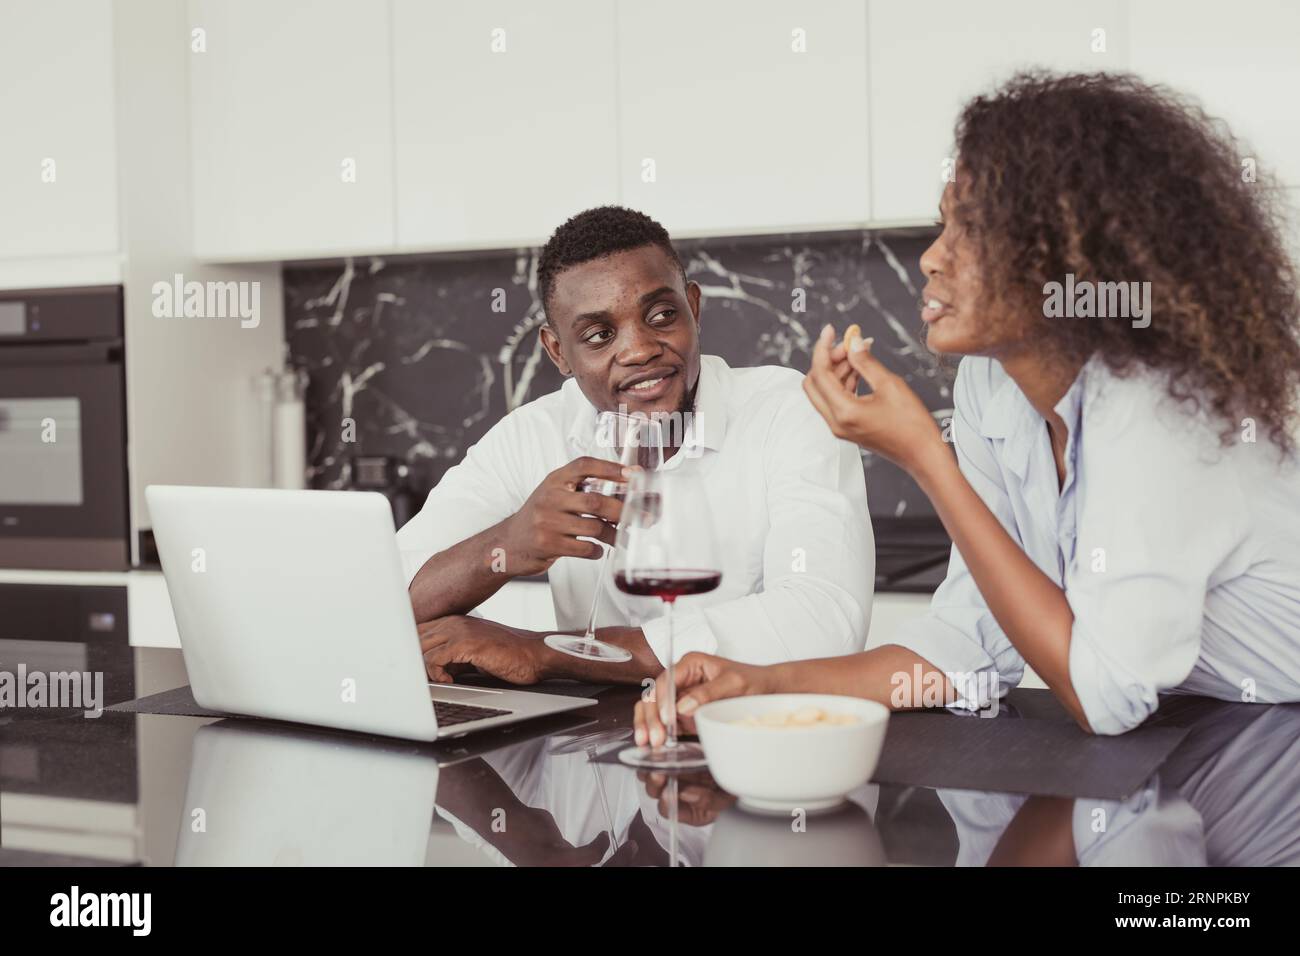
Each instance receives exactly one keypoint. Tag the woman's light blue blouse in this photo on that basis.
(1179, 555)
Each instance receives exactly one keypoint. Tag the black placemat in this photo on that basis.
(178, 702)
(1021, 755)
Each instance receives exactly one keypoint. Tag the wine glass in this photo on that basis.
(665, 550)
(632, 440)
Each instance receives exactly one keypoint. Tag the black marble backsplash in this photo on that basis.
(413, 352)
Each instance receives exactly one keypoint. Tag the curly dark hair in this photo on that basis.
(597, 232)
(1111, 179)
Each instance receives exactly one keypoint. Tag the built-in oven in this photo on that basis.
(63, 452)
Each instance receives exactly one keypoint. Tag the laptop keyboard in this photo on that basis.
(448, 713)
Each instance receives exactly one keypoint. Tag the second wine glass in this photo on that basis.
(666, 550)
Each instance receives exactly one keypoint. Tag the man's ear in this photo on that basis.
(693, 297)
(551, 342)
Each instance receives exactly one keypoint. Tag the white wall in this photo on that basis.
(188, 380)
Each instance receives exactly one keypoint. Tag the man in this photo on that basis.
(788, 499)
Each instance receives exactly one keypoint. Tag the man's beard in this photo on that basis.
(687, 406)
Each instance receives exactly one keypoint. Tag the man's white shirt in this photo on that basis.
(789, 518)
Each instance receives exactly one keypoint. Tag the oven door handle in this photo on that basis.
(82, 353)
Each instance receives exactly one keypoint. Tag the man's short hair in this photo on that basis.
(596, 233)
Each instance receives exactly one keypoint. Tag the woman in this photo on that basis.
(1124, 501)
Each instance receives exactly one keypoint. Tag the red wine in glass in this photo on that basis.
(667, 585)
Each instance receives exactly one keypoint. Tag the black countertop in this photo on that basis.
(183, 790)
(911, 554)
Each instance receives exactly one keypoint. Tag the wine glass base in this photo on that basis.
(681, 757)
(588, 650)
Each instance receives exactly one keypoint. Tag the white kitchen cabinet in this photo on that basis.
(291, 128)
(58, 169)
(1241, 60)
(928, 57)
(505, 119)
(525, 604)
(744, 115)
(890, 610)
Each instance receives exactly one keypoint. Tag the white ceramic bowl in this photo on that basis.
(780, 769)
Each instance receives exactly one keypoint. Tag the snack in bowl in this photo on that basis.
(804, 717)
(783, 752)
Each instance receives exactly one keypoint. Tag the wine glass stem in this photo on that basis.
(626, 457)
(590, 636)
(592, 753)
(673, 796)
(670, 738)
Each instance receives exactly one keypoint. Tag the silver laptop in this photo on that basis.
(292, 605)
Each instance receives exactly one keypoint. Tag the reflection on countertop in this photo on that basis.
(178, 790)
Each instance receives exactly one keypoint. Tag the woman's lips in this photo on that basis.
(932, 310)
(650, 389)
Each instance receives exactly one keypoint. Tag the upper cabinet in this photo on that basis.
(336, 127)
(58, 169)
(744, 115)
(291, 128)
(505, 119)
(1240, 59)
(927, 57)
